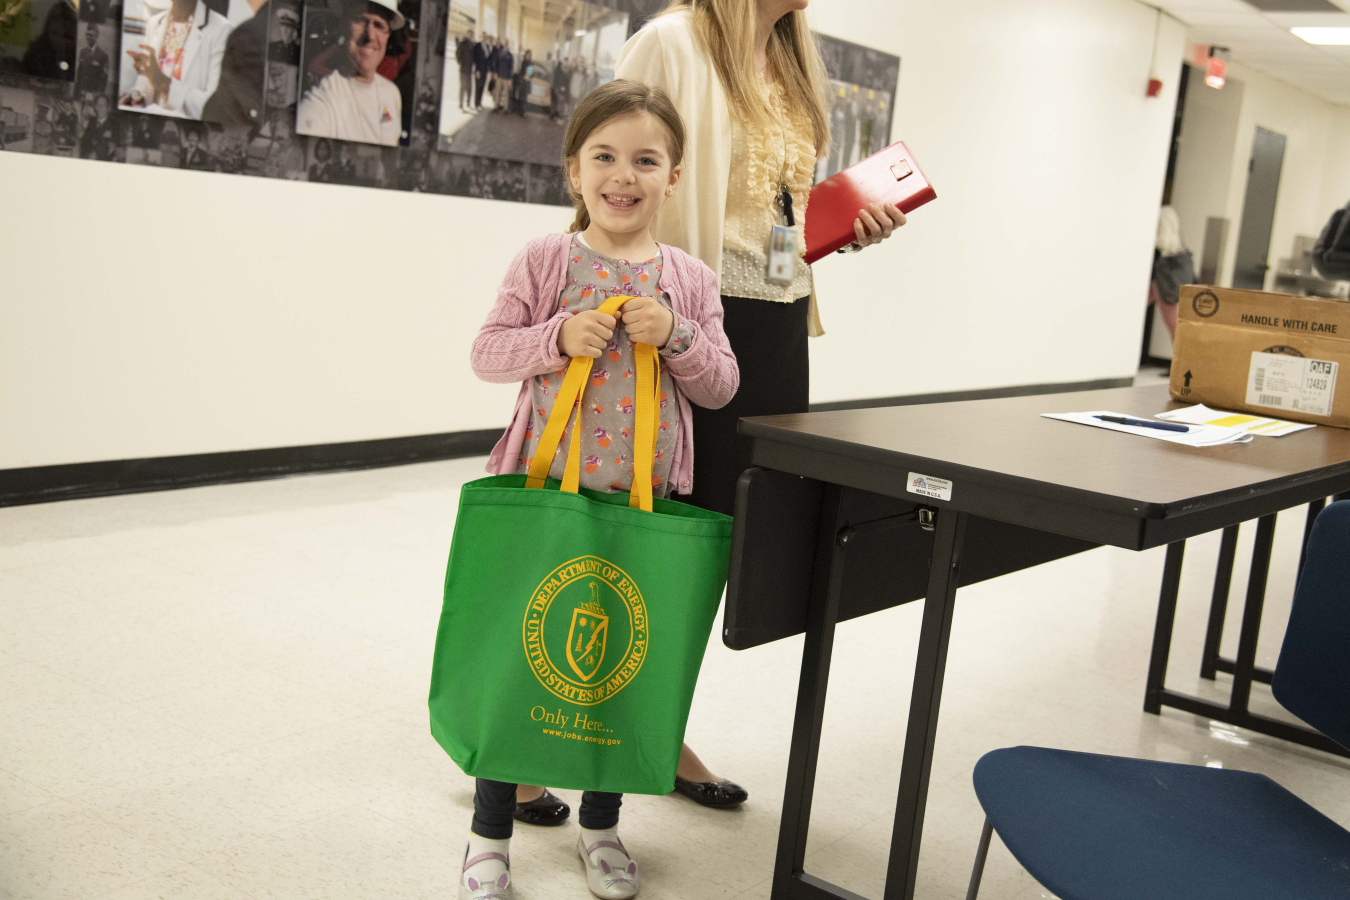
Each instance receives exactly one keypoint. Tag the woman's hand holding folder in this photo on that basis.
(876, 223)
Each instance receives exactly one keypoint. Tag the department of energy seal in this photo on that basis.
(585, 631)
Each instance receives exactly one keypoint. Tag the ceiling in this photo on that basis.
(1259, 38)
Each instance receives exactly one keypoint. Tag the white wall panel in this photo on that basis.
(266, 313)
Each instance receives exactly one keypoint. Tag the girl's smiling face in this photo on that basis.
(624, 173)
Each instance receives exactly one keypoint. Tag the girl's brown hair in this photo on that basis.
(727, 30)
(603, 105)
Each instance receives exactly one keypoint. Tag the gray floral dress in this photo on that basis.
(608, 405)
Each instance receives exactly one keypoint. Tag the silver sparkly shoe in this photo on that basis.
(608, 876)
(470, 888)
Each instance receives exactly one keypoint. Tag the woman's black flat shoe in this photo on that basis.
(713, 794)
(545, 810)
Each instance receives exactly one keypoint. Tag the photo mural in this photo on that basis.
(459, 97)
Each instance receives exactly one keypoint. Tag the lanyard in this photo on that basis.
(784, 191)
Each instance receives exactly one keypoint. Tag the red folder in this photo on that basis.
(891, 176)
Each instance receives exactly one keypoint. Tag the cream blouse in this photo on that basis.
(666, 52)
(761, 160)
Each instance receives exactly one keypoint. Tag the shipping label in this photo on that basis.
(1296, 383)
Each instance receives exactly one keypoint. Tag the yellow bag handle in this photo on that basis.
(569, 397)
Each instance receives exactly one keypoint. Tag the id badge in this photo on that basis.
(782, 255)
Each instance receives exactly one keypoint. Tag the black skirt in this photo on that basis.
(769, 340)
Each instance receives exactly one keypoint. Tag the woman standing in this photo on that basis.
(748, 80)
(749, 83)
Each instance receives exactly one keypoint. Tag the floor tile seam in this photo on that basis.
(280, 673)
(451, 844)
(52, 797)
(182, 865)
(111, 695)
(225, 751)
(113, 698)
(75, 798)
(234, 747)
(191, 630)
(176, 855)
(300, 734)
(251, 895)
(176, 861)
(130, 615)
(17, 573)
(890, 814)
(73, 594)
(753, 887)
(186, 732)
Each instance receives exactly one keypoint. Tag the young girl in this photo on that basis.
(622, 156)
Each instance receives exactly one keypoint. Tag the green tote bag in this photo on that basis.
(575, 621)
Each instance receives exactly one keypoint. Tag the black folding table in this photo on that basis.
(833, 528)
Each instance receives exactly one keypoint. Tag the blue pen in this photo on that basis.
(1144, 423)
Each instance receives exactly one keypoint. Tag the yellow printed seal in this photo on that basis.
(585, 630)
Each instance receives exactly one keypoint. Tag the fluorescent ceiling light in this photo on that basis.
(1339, 36)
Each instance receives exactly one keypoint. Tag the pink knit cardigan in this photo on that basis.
(519, 340)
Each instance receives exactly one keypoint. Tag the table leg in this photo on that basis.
(925, 699)
(789, 879)
(1218, 604)
(1211, 661)
(1251, 615)
(1243, 668)
(1162, 629)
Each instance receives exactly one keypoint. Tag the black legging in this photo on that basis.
(494, 801)
(769, 340)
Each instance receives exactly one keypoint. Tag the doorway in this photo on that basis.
(1199, 170)
(1258, 211)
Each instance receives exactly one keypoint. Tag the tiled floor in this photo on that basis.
(218, 694)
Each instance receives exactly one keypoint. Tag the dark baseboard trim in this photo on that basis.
(45, 484)
(1019, 390)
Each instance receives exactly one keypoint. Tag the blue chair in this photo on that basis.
(1091, 827)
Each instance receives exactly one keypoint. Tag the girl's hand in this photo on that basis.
(586, 334)
(647, 321)
(876, 223)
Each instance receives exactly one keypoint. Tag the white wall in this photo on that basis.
(1304, 201)
(275, 314)
(1032, 265)
(1336, 183)
(280, 314)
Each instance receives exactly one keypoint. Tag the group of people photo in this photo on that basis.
(530, 64)
(510, 82)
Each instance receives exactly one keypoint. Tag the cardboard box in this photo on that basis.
(1272, 354)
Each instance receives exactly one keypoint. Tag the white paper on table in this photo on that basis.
(1200, 414)
(1198, 436)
